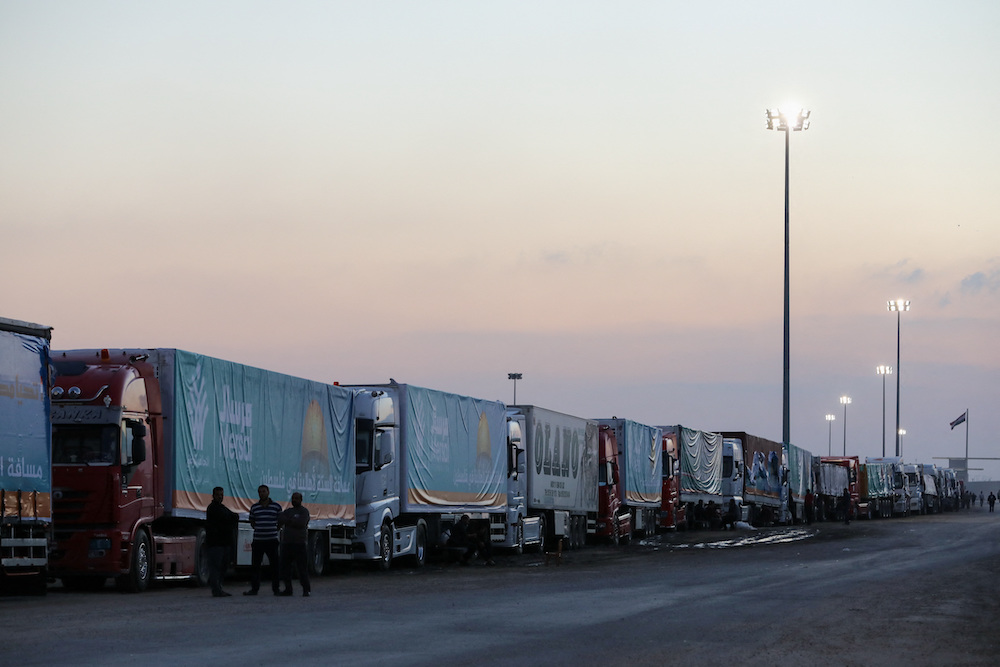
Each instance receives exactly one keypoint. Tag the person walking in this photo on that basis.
(810, 503)
(294, 524)
(845, 506)
(264, 521)
(220, 530)
(991, 499)
(981, 498)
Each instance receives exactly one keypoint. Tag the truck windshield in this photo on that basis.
(91, 444)
(364, 434)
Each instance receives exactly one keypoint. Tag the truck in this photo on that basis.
(614, 518)
(25, 456)
(875, 488)
(764, 479)
(914, 488)
(829, 481)
(640, 456)
(142, 436)
(425, 458)
(898, 483)
(929, 488)
(701, 469)
(673, 511)
(554, 496)
(798, 464)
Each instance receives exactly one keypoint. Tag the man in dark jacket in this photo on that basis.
(220, 530)
(294, 524)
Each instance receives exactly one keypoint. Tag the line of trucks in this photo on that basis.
(108, 458)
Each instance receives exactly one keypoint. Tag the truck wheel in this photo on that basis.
(319, 554)
(616, 532)
(137, 580)
(420, 557)
(385, 548)
(200, 576)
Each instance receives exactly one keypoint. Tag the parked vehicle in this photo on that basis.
(425, 458)
(673, 511)
(25, 456)
(914, 488)
(141, 437)
(701, 470)
(875, 488)
(830, 479)
(898, 483)
(640, 457)
(614, 518)
(762, 484)
(929, 487)
(798, 466)
(555, 497)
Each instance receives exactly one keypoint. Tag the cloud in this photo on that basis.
(980, 280)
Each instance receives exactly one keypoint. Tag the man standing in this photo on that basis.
(220, 529)
(294, 523)
(264, 520)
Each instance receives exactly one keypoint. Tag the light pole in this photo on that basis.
(845, 400)
(900, 432)
(829, 442)
(898, 305)
(515, 377)
(787, 121)
(883, 371)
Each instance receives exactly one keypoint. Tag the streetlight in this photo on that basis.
(515, 377)
(898, 305)
(787, 121)
(883, 371)
(845, 400)
(899, 442)
(829, 441)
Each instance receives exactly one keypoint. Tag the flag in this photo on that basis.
(959, 420)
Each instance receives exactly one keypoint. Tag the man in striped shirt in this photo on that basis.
(264, 520)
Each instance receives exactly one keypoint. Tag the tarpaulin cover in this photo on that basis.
(562, 463)
(930, 487)
(879, 483)
(763, 462)
(701, 461)
(831, 479)
(799, 463)
(25, 429)
(238, 427)
(454, 452)
(641, 449)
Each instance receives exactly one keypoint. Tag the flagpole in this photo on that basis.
(967, 440)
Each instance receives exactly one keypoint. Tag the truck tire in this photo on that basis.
(616, 532)
(200, 576)
(141, 570)
(420, 555)
(319, 554)
(385, 548)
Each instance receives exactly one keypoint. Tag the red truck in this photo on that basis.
(673, 512)
(614, 520)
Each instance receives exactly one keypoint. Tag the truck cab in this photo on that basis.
(614, 520)
(733, 476)
(673, 512)
(914, 488)
(107, 485)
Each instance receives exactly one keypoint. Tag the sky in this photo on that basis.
(583, 192)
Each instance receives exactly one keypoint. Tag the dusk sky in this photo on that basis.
(582, 192)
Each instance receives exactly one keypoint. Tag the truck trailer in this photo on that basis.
(424, 458)
(640, 450)
(762, 483)
(553, 496)
(701, 469)
(25, 456)
(142, 436)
